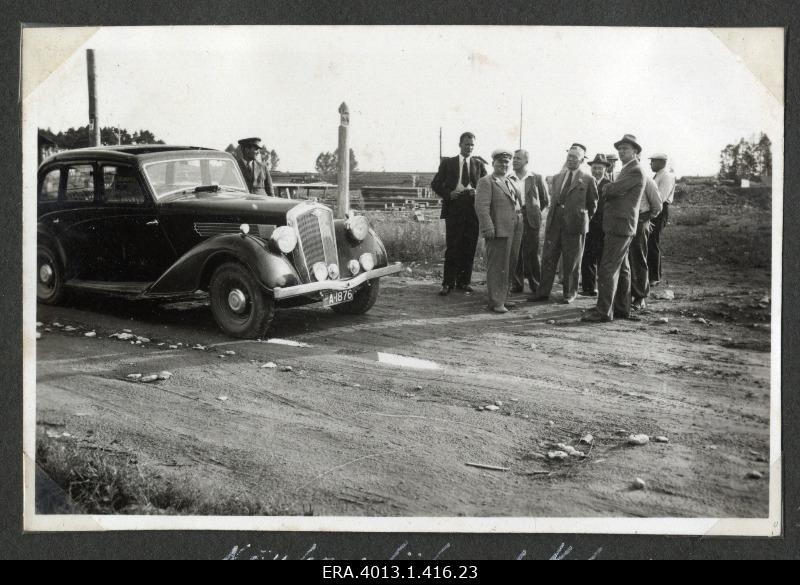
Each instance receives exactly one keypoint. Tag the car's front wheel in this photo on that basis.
(363, 299)
(50, 288)
(240, 307)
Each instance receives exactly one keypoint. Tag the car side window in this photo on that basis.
(121, 187)
(80, 184)
(49, 189)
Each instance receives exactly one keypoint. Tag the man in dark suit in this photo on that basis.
(498, 206)
(593, 248)
(620, 219)
(256, 173)
(455, 183)
(535, 199)
(574, 203)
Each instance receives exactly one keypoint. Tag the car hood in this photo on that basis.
(233, 207)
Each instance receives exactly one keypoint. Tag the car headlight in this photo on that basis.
(284, 238)
(367, 261)
(244, 229)
(320, 271)
(333, 271)
(354, 267)
(358, 227)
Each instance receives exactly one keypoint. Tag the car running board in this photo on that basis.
(122, 289)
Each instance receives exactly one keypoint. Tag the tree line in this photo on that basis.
(746, 159)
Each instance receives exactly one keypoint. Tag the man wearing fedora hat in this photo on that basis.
(620, 218)
(593, 248)
(256, 173)
(498, 205)
(665, 180)
(574, 202)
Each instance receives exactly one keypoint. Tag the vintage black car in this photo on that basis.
(163, 222)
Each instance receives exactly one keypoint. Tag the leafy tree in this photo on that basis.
(81, 137)
(327, 163)
(746, 160)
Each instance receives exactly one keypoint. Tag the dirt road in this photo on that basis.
(354, 431)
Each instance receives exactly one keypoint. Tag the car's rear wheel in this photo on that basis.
(50, 288)
(239, 306)
(363, 299)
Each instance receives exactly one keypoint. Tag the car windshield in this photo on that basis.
(184, 175)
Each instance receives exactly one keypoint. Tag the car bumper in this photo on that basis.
(336, 285)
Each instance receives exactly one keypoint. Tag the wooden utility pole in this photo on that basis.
(520, 122)
(94, 124)
(440, 143)
(344, 162)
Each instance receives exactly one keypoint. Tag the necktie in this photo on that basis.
(567, 183)
(465, 174)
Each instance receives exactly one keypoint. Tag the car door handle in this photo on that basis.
(154, 222)
(56, 220)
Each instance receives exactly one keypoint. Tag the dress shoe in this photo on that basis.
(588, 293)
(594, 316)
(630, 317)
(536, 299)
(465, 288)
(638, 304)
(655, 282)
(568, 300)
(510, 304)
(445, 290)
(500, 309)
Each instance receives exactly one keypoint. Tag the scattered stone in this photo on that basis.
(754, 475)
(53, 434)
(664, 295)
(58, 325)
(173, 347)
(199, 347)
(712, 447)
(761, 459)
(39, 324)
(625, 364)
(662, 320)
(137, 342)
(122, 336)
(639, 484)
(551, 423)
(48, 330)
(587, 439)
(515, 400)
(557, 455)
(621, 432)
(701, 320)
(674, 330)
(127, 331)
(551, 322)
(90, 334)
(525, 416)
(290, 368)
(479, 407)
(222, 398)
(66, 435)
(142, 340)
(492, 407)
(418, 388)
(220, 356)
(230, 352)
(765, 300)
(498, 403)
(164, 375)
(149, 378)
(270, 365)
(134, 376)
(661, 439)
(161, 344)
(70, 329)
(38, 335)
(638, 440)
(754, 453)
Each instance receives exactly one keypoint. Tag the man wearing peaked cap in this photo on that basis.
(620, 219)
(612, 159)
(574, 202)
(665, 181)
(498, 205)
(593, 248)
(256, 173)
(455, 183)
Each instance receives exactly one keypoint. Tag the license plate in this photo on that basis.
(337, 298)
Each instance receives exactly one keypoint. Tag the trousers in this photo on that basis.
(529, 263)
(461, 237)
(614, 277)
(592, 253)
(561, 244)
(654, 244)
(640, 277)
(501, 261)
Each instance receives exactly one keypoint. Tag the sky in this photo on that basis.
(680, 91)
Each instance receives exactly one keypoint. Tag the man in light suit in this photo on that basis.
(498, 206)
(256, 173)
(593, 247)
(535, 199)
(620, 218)
(455, 183)
(574, 202)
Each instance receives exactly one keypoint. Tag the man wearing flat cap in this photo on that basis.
(665, 181)
(574, 202)
(593, 247)
(256, 173)
(620, 219)
(498, 205)
(455, 183)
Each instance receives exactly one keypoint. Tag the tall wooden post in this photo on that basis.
(94, 123)
(440, 144)
(344, 162)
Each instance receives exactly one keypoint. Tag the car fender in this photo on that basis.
(193, 270)
(349, 249)
(46, 237)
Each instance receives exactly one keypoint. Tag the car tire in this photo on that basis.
(363, 299)
(239, 305)
(50, 288)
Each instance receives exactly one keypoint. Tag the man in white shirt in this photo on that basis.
(665, 181)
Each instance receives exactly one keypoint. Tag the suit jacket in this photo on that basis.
(446, 178)
(495, 206)
(258, 182)
(622, 197)
(597, 218)
(580, 201)
(535, 196)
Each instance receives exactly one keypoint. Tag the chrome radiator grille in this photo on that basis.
(315, 236)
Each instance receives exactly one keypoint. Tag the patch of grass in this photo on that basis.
(98, 482)
(692, 217)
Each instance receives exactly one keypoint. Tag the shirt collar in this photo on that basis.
(627, 163)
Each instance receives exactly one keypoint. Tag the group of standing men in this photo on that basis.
(604, 228)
